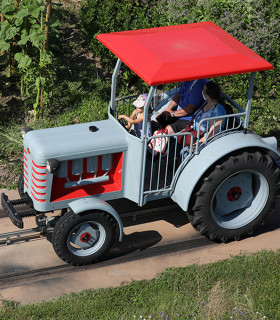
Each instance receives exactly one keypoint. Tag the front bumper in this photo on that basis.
(16, 217)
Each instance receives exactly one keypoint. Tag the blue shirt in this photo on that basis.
(191, 93)
(217, 111)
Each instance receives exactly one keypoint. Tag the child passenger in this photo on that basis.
(136, 118)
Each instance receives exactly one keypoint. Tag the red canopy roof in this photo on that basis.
(183, 52)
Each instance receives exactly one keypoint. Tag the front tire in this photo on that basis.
(235, 196)
(21, 192)
(84, 238)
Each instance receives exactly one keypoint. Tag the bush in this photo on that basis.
(112, 16)
(23, 42)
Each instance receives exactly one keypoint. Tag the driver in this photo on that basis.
(136, 118)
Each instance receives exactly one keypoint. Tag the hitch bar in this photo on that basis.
(17, 235)
(16, 217)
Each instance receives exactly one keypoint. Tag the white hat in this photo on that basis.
(140, 101)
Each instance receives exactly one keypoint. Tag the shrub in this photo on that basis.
(112, 16)
(23, 41)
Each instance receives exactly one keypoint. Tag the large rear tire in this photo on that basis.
(235, 196)
(81, 239)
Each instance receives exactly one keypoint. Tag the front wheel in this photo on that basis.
(235, 196)
(21, 192)
(81, 239)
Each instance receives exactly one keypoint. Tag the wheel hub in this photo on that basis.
(239, 199)
(85, 237)
(234, 194)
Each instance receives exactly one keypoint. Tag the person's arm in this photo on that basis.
(215, 125)
(172, 105)
(190, 108)
(214, 129)
(195, 100)
(131, 120)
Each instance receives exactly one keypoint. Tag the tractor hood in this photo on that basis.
(75, 141)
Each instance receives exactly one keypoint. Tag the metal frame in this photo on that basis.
(245, 114)
(113, 86)
(249, 101)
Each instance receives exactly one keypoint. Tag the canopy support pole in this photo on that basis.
(249, 102)
(113, 87)
(144, 139)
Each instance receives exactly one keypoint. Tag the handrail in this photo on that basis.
(162, 171)
(227, 116)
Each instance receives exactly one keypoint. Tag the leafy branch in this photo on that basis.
(24, 36)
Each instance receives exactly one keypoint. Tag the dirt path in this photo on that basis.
(150, 245)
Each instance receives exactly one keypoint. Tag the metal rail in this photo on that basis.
(131, 254)
(15, 236)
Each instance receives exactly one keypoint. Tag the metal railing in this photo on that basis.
(124, 105)
(163, 167)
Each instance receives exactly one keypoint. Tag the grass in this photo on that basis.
(244, 287)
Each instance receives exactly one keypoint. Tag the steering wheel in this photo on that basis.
(123, 123)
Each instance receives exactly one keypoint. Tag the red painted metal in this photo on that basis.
(39, 180)
(40, 200)
(38, 187)
(39, 173)
(60, 193)
(37, 166)
(38, 193)
(183, 52)
(234, 194)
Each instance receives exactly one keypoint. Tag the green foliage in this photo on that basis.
(22, 38)
(112, 16)
(265, 118)
(229, 289)
(10, 155)
(255, 23)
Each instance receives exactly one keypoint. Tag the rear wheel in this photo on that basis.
(83, 238)
(235, 196)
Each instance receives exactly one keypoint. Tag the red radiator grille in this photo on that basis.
(38, 182)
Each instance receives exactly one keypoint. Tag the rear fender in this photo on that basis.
(88, 204)
(210, 154)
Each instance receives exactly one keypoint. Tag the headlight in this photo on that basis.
(53, 165)
(24, 131)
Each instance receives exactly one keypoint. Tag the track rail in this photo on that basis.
(25, 235)
(118, 255)
(31, 276)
